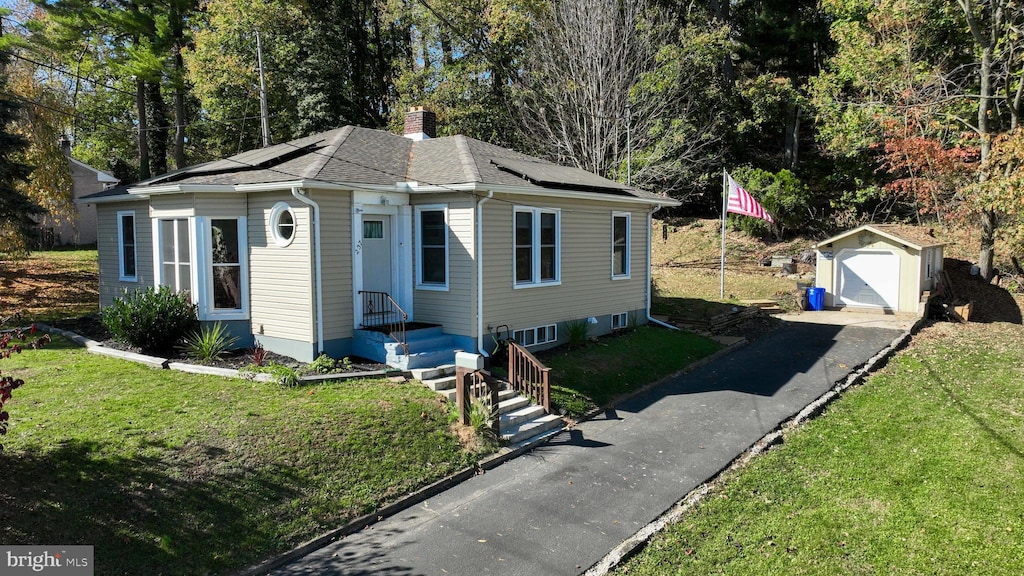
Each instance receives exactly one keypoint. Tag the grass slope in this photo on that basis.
(593, 376)
(919, 471)
(172, 473)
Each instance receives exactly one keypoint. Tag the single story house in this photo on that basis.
(314, 245)
(884, 267)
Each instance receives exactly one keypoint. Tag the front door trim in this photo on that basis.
(397, 206)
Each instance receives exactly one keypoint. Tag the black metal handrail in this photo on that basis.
(381, 312)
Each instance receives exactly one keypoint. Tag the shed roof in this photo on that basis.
(918, 237)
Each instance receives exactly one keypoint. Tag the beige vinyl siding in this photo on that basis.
(172, 206)
(220, 205)
(107, 245)
(586, 289)
(454, 309)
(336, 251)
(280, 279)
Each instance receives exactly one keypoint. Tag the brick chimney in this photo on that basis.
(420, 124)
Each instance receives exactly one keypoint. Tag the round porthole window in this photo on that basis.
(282, 224)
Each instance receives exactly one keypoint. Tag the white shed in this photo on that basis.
(886, 267)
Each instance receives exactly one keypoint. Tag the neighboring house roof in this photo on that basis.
(354, 156)
(914, 236)
(101, 176)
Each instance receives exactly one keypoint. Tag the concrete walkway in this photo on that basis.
(560, 508)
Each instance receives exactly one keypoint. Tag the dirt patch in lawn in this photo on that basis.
(50, 285)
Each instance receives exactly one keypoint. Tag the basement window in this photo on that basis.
(536, 335)
(619, 321)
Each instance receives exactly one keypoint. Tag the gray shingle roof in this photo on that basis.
(353, 155)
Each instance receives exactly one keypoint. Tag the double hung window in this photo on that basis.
(432, 256)
(537, 237)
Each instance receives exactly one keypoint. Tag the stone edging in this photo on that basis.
(95, 347)
(639, 540)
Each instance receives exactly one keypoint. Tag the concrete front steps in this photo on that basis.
(427, 347)
(520, 421)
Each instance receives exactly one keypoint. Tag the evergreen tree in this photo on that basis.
(16, 210)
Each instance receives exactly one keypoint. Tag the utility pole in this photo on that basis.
(629, 148)
(264, 114)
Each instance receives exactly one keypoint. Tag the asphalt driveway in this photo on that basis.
(562, 507)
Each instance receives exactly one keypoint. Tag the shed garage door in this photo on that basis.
(869, 279)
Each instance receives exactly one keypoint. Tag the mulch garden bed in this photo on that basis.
(91, 327)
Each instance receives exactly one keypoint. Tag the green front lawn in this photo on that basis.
(919, 471)
(172, 473)
(614, 366)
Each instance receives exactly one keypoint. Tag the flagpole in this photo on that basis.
(725, 200)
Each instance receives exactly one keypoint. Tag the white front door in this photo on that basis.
(869, 279)
(376, 253)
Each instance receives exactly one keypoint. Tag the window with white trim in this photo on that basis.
(536, 335)
(226, 249)
(175, 258)
(432, 240)
(620, 245)
(126, 245)
(282, 224)
(536, 239)
(619, 321)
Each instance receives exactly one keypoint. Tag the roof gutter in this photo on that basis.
(650, 272)
(317, 268)
(480, 273)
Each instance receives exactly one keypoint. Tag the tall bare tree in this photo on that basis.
(606, 80)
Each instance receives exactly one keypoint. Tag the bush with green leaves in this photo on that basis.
(323, 364)
(782, 194)
(209, 343)
(577, 331)
(152, 319)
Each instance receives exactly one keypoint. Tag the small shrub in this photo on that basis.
(284, 375)
(259, 355)
(346, 363)
(577, 332)
(209, 343)
(323, 364)
(152, 319)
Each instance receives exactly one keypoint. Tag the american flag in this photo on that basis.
(741, 202)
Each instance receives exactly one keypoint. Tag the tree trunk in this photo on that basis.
(986, 258)
(140, 104)
(158, 129)
(792, 134)
(179, 91)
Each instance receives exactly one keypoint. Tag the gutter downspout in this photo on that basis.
(649, 271)
(480, 274)
(301, 197)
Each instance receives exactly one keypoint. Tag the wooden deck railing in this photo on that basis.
(528, 376)
(477, 385)
(381, 312)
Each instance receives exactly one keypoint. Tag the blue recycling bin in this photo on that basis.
(816, 299)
